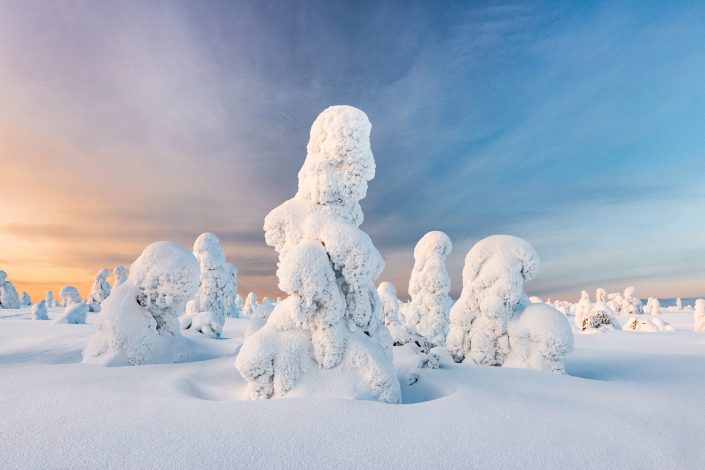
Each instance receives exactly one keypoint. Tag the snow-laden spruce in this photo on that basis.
(328, 333)
(699, 315)
(216, 293)
(49, 297)
(139, 321)
(25, 300)
(39, 311)
(653, 306)
(8, 294)
(429, 288)
(597, 316)
(99, 291)
(250, 306)
(487, 321)
(631, 304)
(119, 276)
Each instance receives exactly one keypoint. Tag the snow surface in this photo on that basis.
(642, 392)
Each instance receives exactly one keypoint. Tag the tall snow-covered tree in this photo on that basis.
(50, 299)
(429, 289)
(25, 300)
(493, 323)
(327, 265)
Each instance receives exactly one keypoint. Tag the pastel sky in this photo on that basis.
(579, 126)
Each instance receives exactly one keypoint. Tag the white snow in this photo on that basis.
(643, 392)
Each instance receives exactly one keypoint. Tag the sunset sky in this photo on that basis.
(579, 126)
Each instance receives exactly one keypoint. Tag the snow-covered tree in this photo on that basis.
(631, 304)
(26, 300)
(119, 276)
(50, 299)
(70, 295)
(327, 265)
(139, 321)
(99, 291)
(429, 287)
(699, 315)
(646, 325)
(8, 294)
(251, 305)
(235, 306)
(493, 316)
(653, 306)
(390, 302)
(597, 316)
(39, 311)
(615, 302)
(239, 304)
(216, 293)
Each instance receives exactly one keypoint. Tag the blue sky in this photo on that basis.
(579, 126)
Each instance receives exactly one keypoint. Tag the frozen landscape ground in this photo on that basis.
(629, 400)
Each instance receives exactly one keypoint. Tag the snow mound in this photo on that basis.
(329, 331)
(39, 311)
(540, 338)
(74, 313)
(646, 325)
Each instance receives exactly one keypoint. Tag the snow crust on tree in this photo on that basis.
(492, 296)
(216, 293)
(99, 291)
(39, 311)
(25, 300)
(70, 295)
(8, 294)
(74, 313)
(699, 315)
(138, 324)
(539, 338)
(236, 302)
(429, 287)
(332, 316)
(119, 275)
(631, 305)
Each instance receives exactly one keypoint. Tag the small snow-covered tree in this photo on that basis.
(26, 300)
(235, 306)
(251, 305)
(139, 321)
(74, 313)
(583, 308)
(216, 293)
(429, 287)
(119, 276)
(390, 302)
(99, 291)
(70, 295)
(39, 311)
(615, 302)
(327, 265)
(239, 304)
(597, 316)
(631, 304)
(50, 299)
(646, 325)
(653, 306)
(8, 294)
(493, 317)
(699, 315)
(679, 304)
